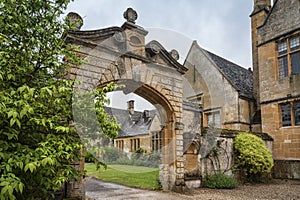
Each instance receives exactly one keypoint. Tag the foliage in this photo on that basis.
(140, 157)
(37, 141)
(252, 155)
(110, 154)
(89, 157)
(220, 181)
(135, 176)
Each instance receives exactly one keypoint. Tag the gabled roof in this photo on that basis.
(240, 78)
(131, 125)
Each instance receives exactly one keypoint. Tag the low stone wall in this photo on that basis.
(286, 169)
(209, 164)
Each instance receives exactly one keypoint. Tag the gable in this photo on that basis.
(283, 18)
(214, 68)
(240, 78)
(127, 41)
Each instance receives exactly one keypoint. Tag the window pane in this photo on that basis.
(294, 43)
(209, 120)
(283, 67)
(217, 120)
(297, 112)
(286, 114)
(160, 140)
(153, 142)
(282, 48)
(295, 60)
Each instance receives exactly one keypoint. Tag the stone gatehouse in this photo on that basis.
(120, 55)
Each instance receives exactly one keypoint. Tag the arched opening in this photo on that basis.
(147, 136)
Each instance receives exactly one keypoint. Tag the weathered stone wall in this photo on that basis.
(208, 164)
(284, 18)
(273, 92)
(224, 162)
(282, 22)
(287, 169)
(76, 188)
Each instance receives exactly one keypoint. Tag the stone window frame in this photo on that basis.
(288, 49)
(291, 110)
(213, 114)
(120, 145)
(156, 141)
(135, 144)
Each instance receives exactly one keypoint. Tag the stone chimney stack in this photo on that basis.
(130, 105)
(261, 4)
(260, 11)
(146, 115)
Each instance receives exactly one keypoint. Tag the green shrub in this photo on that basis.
(89, 157)
(220, 181)
(139, 159)
(124, 160)
(110, 154)
(252, 156)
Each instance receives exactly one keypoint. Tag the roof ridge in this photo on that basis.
(231, 62)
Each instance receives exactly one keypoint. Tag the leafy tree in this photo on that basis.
(37, 140)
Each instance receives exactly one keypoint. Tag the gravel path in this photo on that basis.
(275, 190)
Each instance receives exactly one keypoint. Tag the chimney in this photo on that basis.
(261, 4)
(146, 115)
(130, 105)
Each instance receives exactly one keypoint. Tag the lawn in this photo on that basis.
(136, 176)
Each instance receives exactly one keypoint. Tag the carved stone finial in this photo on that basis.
(130, 15)
(174, 54)
(75, 20)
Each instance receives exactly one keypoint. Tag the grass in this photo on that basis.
(135, 176)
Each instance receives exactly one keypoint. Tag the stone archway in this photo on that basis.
(119, 54)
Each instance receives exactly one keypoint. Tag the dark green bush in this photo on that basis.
(220, 181)
(89, 157)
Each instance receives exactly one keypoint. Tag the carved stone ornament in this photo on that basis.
(130, 15)
(174, 54)
(75, 20)
(154, 47)
(119, 37)
(179, 126)
(121, 66)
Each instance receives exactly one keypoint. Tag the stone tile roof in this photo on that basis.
(239, 77)
(131, 125)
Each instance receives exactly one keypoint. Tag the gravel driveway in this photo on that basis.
(276, 189)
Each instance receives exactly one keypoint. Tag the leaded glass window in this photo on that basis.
(286, 114)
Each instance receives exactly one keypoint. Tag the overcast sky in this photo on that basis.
(220, 26)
